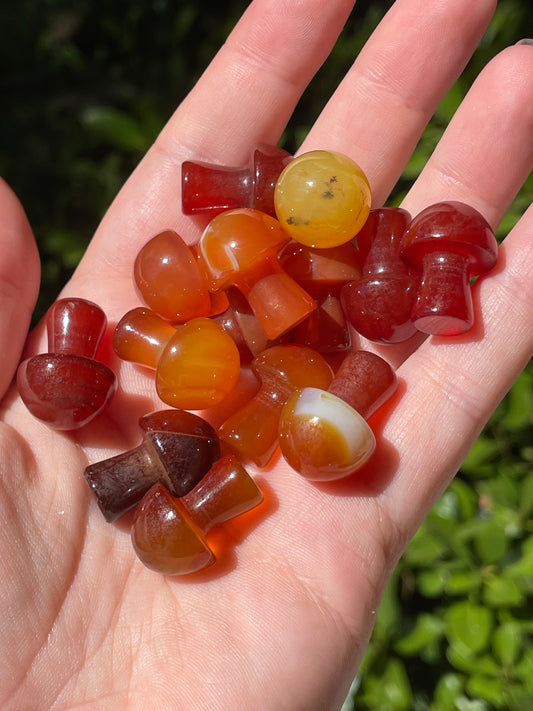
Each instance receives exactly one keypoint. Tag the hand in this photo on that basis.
(284, 620)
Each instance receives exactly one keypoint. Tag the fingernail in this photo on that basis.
(527, 40)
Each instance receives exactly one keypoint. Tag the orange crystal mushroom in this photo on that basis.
(240, 248)
(197, 364)
(168, 533)
(323, 434)
(252, 431)
(168, 279)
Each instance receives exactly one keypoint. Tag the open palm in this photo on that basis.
(282, 620)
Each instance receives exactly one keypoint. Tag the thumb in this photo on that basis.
(19, 282)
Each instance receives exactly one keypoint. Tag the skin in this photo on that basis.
(283, 619)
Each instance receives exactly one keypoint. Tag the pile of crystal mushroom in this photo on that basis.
(292, 263)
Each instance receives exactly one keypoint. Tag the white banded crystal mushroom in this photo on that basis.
(322, 437)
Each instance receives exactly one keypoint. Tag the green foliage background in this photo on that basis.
(85, 90)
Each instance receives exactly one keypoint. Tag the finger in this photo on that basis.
(484, 156)
(246, 96)
(251, 88)
(19, 282)
(453, 385)
(379, 111)
(486, 153)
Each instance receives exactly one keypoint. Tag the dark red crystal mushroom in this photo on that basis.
(211, 189)
(66, 388)
(448, 242)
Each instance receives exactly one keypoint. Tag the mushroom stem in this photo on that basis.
(444, 303)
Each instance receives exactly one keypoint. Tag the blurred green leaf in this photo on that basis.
(468, 627)
(526, 495)
(466, 498)
(465, 704)
(115, 127)
(464, 661)
(500, 591)
(432, 582)
(64, 247)
(507, 643)
(463, 581)
(491, 542)
(423, 151)
(524, 670)
(502, 491)
(518, 698)
(448, 688)
(483, 451)
(425, 548)
(428, 628)
(487, 688)
(522, 569)
(520, 403)
(392, 690)
(527, 453)
(389, 610)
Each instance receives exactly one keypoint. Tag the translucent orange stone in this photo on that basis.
(322, 198)
(322, 437)
(226, 491)
(141, 336)
(168, 279)
(322, 273)
(239, 248)
(244, 328)
(197, 364)
(326, 329)
(168, 533)
(252, 432)
(164, 537)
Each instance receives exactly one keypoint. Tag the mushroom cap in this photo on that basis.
(299, 366)
(236, 242)
(451, 226)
